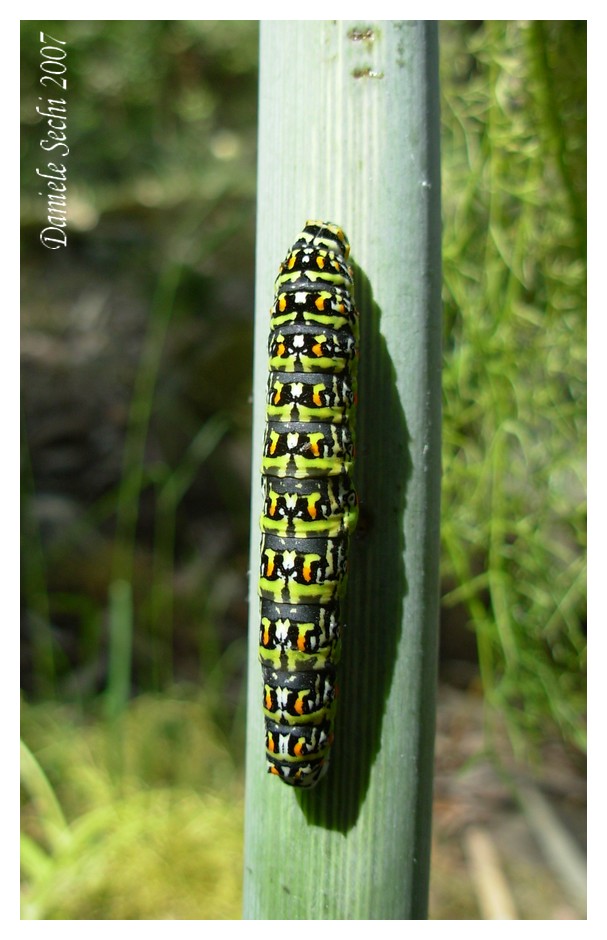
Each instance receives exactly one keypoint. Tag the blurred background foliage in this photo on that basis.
(136, 408)
(514, 509)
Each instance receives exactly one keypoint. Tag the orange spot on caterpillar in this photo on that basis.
(317, 349)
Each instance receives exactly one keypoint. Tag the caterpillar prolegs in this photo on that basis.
(309, 504)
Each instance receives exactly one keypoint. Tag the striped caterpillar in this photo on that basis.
(309, 504)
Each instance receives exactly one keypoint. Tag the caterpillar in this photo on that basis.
(310, 508)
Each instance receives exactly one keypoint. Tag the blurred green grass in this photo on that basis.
(514, 507)
(133, 819)
(136, 439)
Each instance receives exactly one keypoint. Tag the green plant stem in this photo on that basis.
(139, 418)
(357, 847)
(557, 137)
(171, 490)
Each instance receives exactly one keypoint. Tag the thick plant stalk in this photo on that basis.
(349, 133)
